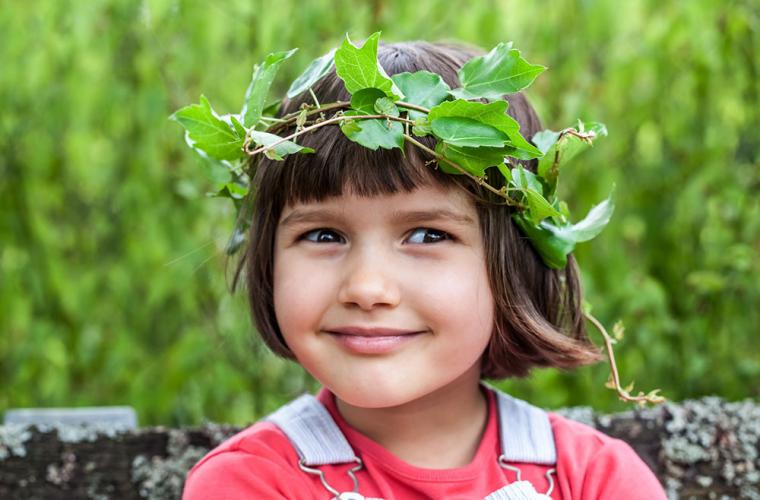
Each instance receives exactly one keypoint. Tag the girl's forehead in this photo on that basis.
(451, 200)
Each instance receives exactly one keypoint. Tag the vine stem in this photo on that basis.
(291, 117)
(622, 393)
(314, 96)
(586, 137)
(415, 107)
(271, 119)
(477, 179)
(329, 121)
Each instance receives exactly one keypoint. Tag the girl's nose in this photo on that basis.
(368, 283)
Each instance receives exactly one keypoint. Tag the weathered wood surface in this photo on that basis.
(706, 448)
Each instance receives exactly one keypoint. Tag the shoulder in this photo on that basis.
(580, 439)
(596, 465)
(258, 462)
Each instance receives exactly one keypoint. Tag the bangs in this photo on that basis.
(340, 166)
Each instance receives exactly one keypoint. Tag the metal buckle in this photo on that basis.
(346, 495)
(503, 463)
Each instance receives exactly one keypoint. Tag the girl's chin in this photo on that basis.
(374, 397)
(373, 391)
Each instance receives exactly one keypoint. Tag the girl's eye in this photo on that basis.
(423, 235)
(322, 236)
(420, 235)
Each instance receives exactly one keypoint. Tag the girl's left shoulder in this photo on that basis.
(579, 435)
(600, 465)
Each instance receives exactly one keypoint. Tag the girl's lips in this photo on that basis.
(373, 344)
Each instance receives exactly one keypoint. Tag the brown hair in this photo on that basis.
(538, 319)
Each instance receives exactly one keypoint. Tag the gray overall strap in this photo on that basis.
(526, 436)
(313, 432)
(525, 432)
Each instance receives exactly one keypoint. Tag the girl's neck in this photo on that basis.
(440, 430)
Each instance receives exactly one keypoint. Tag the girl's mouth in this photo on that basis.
(373, 341)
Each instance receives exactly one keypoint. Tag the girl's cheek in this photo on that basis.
(299, 281)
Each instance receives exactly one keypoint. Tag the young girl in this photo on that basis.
(399, 287)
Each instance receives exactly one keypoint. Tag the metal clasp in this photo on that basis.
(346, 495)
(503, 463)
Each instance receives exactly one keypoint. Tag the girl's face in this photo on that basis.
(384, 299)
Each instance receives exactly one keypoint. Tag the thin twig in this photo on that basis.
(402, 104)
(477, 179)
(622, 393)
(291, 117)
(585, 137)
(271, 119)
(329, 121)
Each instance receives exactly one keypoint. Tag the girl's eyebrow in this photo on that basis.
(300, 216)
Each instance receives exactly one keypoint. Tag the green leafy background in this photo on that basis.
(113, 279)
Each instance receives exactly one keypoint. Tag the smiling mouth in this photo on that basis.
(373, 341)
(371, 331)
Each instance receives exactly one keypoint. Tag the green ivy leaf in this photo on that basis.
(374, 133)
(473, 160)
(209, 133)
(525, 179)
(318, 68)
(523, 149)
(364, 100)
(560, 148)
(461, 131)
(385, 106)
(350, 128)
(501, 71)
(505, 172)
(545, 139)
(372, 101)
(258, 89)
(538, 207)
(218, 172)
(554, 242)
(271, 110)
(230, 190)
(239, 128)
(421, 127)
(422, 88)
(552, 249)
(591, 225)
(280, 150)
(359, 69)
(493, 114)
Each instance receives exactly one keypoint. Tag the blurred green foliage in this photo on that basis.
(113, 281)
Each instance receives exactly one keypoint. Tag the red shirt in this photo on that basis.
(260, 462)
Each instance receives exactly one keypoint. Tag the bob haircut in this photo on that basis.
(537, 319)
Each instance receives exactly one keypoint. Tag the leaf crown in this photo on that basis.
(472, 130)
